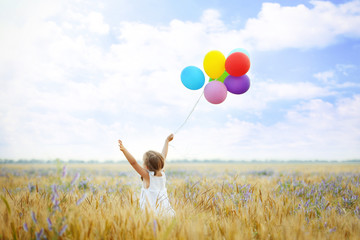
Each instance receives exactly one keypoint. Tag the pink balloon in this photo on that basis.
(215, 92)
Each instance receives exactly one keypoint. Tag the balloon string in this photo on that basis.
(187, 118)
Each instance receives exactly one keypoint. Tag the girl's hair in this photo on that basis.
(154, 161)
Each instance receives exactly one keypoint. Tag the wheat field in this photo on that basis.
(212, 201)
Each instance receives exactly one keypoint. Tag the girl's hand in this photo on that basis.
(170, 138)
(121, 146)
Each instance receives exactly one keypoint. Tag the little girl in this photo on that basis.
(153, 192)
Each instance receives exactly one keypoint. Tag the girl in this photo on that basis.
(153, 192)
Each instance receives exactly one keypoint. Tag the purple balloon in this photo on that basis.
(215, 92)
(237, 85)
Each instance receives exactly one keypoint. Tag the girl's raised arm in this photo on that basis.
(166, 145)
(133, 161)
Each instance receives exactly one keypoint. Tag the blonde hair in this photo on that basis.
(154, 161)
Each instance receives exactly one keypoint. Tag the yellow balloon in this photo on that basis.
(214, 64)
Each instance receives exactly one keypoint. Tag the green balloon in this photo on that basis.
(221, 78)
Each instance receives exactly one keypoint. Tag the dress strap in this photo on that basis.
(152, 173)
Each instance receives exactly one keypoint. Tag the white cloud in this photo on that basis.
(71, 94)
(278, 27)
(212, 22)
(345, 68)
(333, 79)
(262, 93)
(92, 21)
(315, 129)
(97, 24)
(325, 77)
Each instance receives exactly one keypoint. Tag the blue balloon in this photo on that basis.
(192, 77)
(240, 50)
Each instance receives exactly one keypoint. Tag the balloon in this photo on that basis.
(214, 64)
(215, 92)
(192, 77)
(237, 64)
(237, 85)
(240, 50)
(221, 78)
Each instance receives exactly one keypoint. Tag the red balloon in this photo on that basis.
(237, 64)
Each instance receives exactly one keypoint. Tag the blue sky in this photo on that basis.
(78, 75)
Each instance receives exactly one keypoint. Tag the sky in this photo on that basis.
(76, 76)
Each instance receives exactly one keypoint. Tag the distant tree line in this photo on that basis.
(38, 161)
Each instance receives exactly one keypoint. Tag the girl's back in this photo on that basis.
(157, 183)
(155, 196)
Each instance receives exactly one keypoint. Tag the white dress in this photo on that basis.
(155, 196)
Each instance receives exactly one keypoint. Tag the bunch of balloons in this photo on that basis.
(226, 75)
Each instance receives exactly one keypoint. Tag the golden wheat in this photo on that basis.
(212, 201)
